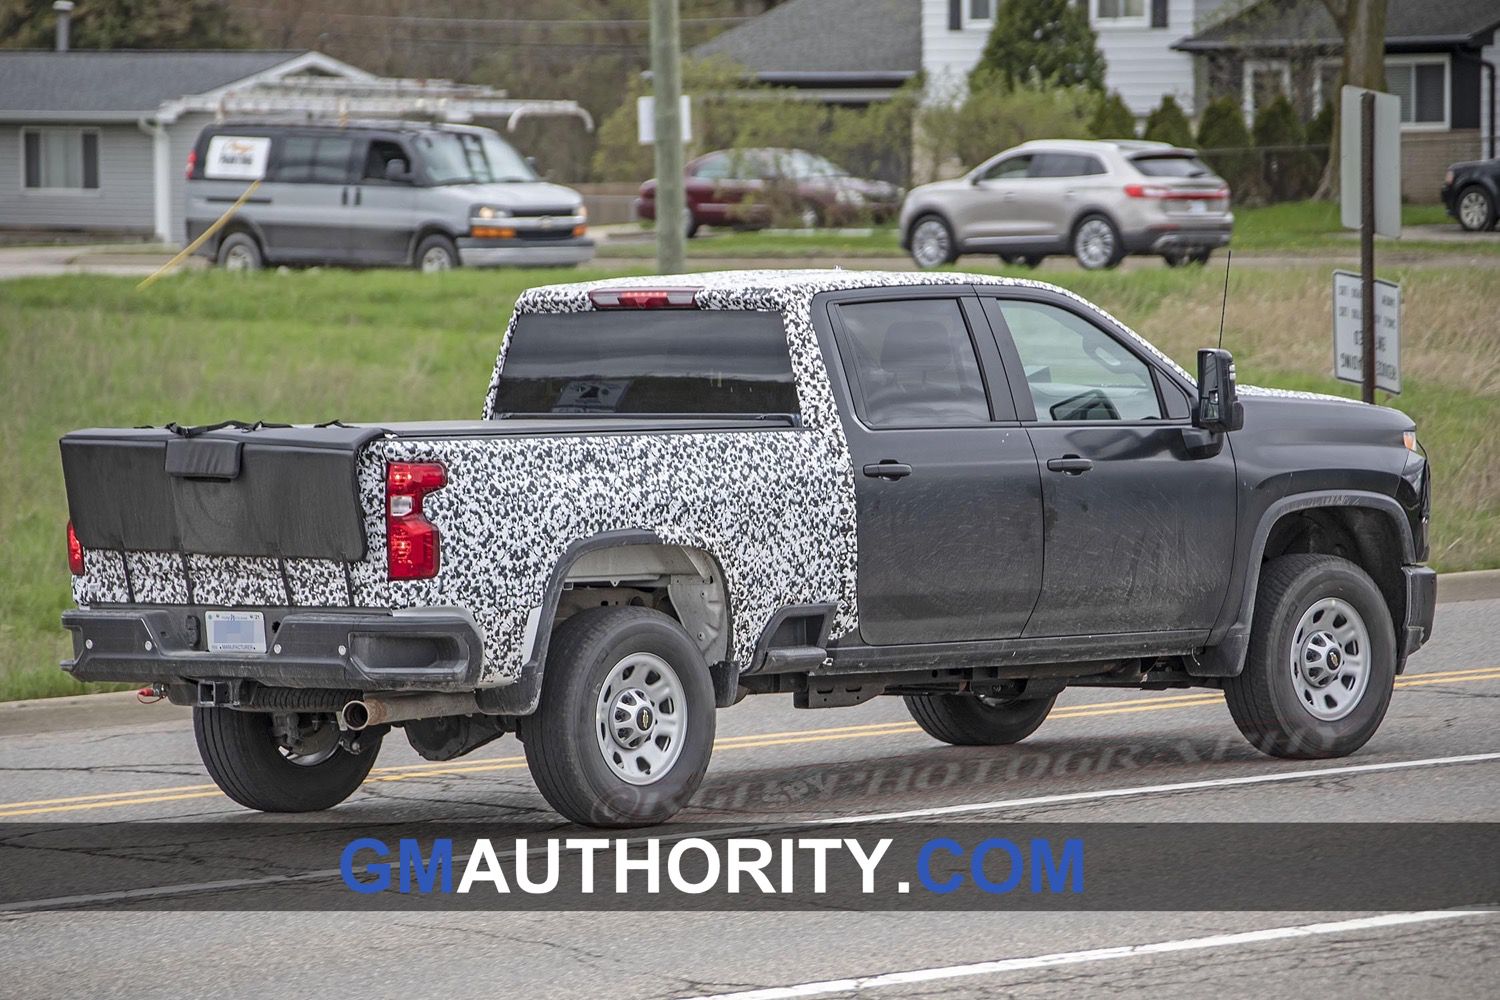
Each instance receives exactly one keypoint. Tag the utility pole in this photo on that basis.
(666, 85)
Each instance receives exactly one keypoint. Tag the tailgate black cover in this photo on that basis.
(271, 491)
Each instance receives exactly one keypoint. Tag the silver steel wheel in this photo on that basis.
(1474, 210)
(436, 259)
(931, 245)
(310, 759)
(1094, 244)
(1330, 659)
(641, 718)
(239, 258)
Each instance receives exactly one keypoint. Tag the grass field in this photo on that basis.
(312, 346)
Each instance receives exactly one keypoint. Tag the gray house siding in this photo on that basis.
(121, 203)
(180, 136)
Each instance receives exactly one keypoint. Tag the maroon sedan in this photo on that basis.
(745, 188)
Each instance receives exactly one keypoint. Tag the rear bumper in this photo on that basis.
(497, 253)
(1161, 239)
(1421, 607)
(427, 649)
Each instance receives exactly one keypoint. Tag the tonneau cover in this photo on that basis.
(287, 492)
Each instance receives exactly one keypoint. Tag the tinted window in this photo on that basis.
(1075, 370)
(311, 159)
(1171, 166)
(668, 361)
(1009, 169)
(1065, 165)
(914, 363)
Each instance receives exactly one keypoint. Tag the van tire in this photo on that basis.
(1274, 699)
(566, 742)
(240, 252)
(435, 253)
(242, 755)
(967, 720)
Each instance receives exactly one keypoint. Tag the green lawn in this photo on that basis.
(390, 345)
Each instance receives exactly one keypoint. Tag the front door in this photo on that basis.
(947, 489)
(1138, 528)
(384, 215)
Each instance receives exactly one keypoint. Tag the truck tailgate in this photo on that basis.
(287, 492)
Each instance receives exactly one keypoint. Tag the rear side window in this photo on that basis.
(308, 159)
(1171, 166)
(688, 361)
(1065, 165)
(914, 363)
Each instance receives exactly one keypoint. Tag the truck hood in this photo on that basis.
(1319, 416)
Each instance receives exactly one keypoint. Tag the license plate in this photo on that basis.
(236, 631)
(1197, 207)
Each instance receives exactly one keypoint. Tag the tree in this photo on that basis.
(1041, 43)
(1112, 118)
(125, 24)
(1168, 123)
(1289, 172)
(1224, 142)
(1361, 24)
(994, 117)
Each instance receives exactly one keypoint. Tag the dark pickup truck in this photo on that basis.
(969, 491)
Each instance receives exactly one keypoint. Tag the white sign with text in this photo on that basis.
(1348, 332)
(237, 157)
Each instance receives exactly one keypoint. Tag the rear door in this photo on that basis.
(1061, 183)
(1139, 530)
(948, 494)
(310, 216)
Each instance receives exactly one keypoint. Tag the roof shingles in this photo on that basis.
(826, 36)
(119, 83)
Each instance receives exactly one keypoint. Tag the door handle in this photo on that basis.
(888, 470)
(344, 198)
(1070, 464)
(359, 195)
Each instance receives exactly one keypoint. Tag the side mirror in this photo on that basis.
(531, 162)
(397, 172)
(1219, 406)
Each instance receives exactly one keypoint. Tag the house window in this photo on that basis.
(1326, 83)
(981, 10)
(1265, 80)
(1120, 12)
(1422, 86)
(60, 158)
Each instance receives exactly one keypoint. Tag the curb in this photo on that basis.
(121, 707)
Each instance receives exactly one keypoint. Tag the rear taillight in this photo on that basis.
(1174, 194)
(644, 298)
(192, 163)
(1146, 191)
(75, 551)
(413, 546)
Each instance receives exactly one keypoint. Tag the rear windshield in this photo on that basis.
(660, 362)
(1171, 166)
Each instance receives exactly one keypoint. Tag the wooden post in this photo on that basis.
(1367, 240)
(666, 85)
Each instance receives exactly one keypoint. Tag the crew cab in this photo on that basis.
(971, 492)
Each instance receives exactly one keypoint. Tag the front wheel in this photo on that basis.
(261, 765)
(1322, 660)
(436, 253)
(1476, 209)
(932, 243)
(626, 723)
(1096, 243)
(971, 720)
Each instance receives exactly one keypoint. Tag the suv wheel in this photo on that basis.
(626, 723)
(1096, 243)
(1322, 660)
(1476, 209)
(971, 720)
(932, 242)
(436, 253)
(240, 252)
(250, 764)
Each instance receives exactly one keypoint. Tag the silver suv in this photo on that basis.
(1095, 200)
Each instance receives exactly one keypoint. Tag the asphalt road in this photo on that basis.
(775, 763)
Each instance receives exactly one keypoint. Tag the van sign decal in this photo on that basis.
(237, 157)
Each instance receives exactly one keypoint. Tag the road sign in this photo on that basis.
(1348, 331)
(645, 119)
(1387, 160)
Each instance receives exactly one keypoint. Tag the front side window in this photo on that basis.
(1009, 169)
(60, 158)
(712, 168)
(914, 363)
(663, 362)
(1075, 370)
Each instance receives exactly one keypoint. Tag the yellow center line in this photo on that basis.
(402, 772)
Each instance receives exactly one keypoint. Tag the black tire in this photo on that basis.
(1483, 214)
(1111, 248)
(562, 745)
(944, 248)
(966, 720)
(690, 223)
(1022, 260)
(433, 249)
(1200, 257)
(1264, 699)
(1174, 258)
(243, 757)
(240, 252)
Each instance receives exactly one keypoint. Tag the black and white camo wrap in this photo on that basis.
(774, 506)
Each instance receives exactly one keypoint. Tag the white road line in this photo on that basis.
(1096, 955)
(157, 892)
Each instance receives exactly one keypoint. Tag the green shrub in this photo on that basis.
(994, 117)
(1288, 170)
(1224, 143)
(1112, 119)
(1168, 123)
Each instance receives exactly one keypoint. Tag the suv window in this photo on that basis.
(1075, 370)
(1065, 165)
(914, 364)
(1009, 168)
(1171, 166)
(314, 159)
(708, 362)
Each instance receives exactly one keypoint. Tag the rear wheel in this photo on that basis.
(1322, 660)
(1476, 209)
(240, 252)
(1096, 243)
(970, 720)
(626, 723)
(261, 768)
